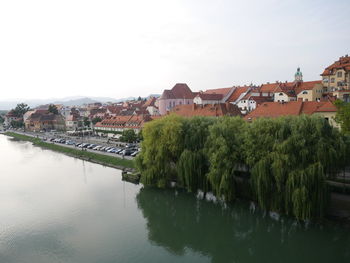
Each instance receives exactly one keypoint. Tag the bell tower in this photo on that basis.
(298, 76)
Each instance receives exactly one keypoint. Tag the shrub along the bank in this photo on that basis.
(289, 159)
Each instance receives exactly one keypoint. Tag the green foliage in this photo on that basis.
(96, 120)
(163, 145)
(343, 115)
(288, 159)
(86, 122)
(17, 124)
(53, 109)
(20, 109)
(2, 119)
(224, 154)
(128, 136)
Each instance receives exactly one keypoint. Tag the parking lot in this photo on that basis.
(89, 143)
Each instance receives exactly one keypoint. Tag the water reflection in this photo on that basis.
(179, 221)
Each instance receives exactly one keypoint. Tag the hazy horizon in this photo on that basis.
(135, 48)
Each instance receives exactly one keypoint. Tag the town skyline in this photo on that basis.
(135, 49)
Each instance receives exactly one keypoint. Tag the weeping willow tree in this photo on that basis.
(161, 148)
(224, 146)
(290, 158)
(192, 166)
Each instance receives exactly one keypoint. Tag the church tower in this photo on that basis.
(298, 76)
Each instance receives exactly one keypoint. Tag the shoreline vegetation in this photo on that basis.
(282, 164)
(114, 162)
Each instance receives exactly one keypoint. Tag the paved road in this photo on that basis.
(76, 139)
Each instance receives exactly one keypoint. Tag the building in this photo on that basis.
(180, 94)
(325, 109)
(215, 110)
(10, 117)
(121, 123)
(309, 90)
(44, 120)
(73, 122)
(336, 77)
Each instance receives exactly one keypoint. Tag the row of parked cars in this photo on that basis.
(129, 150)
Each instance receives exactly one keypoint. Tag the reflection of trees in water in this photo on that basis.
(179, 221)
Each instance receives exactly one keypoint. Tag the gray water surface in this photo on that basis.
(55, 208)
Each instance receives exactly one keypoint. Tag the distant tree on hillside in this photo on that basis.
(139, 98)
(53, 109)
(1, 119)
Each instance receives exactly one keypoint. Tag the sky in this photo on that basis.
(135, 48)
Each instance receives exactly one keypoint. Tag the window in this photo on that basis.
(304, 92)
(339, 74)
(180, 102)
(332, 80)
(281, 94)
(325, 80)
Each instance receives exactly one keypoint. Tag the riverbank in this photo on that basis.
(110, 161)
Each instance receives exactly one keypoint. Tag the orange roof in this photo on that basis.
(179, 91)
(269, 87)
(277, 109)
(237, 93)
(306, 85)
(343, 62)
(222, 91)
(215, 110)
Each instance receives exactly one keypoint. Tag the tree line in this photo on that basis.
(285, 162)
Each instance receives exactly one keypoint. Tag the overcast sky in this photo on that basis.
(137, 47)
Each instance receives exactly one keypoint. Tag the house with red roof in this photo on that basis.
(325, 109)
(180, 94)
(209, 110)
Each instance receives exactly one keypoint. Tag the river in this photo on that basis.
(56, 208)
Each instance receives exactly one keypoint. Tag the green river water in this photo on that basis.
(55, 208)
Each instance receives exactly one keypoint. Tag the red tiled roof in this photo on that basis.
(179, 91)
(306, 85)
(215, 110)
(210, 96)
(222, 91)
(150, 102)
(343, 62)
(237, 93)
(269, 87)
(277, 109)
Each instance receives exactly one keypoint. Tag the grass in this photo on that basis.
(101, 158)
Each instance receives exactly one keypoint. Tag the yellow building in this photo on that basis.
(336, 77)
(309, 90)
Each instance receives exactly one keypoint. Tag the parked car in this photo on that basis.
(134, 153)
(91, 146)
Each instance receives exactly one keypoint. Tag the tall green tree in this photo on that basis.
(193, 164)
(161, 148)
(290, 158)
(129, 136)
(21, 109)
(96, 120)
(343, 115)
(86, 122)
(53, 109)
(224, 150)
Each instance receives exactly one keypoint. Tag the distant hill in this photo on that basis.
(67, 101)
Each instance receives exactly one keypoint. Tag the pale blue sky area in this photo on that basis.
(136, 47)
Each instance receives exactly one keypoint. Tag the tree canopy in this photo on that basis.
(128, 136)
(20, 109)
(288, 159)
(343, 115)
(53, 109)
